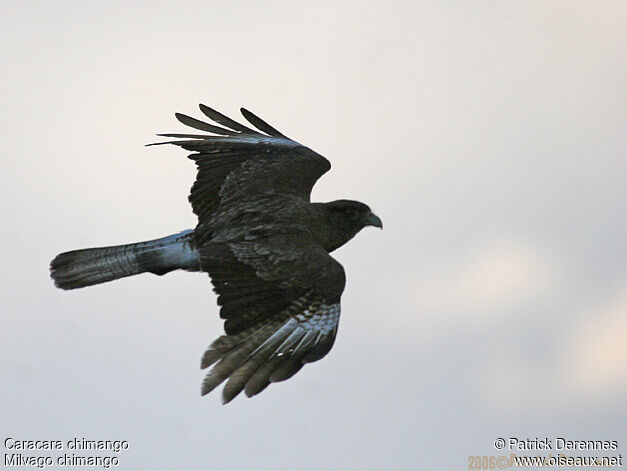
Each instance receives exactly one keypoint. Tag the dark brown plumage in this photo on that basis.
(263, 243)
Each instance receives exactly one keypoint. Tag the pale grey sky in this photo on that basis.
(490, 138)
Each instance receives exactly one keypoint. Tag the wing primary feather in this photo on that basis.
(279, 334)
(304, 342)
(238, 379)
(234, 359)
(202, 126)
(294, 337)
(225, 120)
(323, 344)
(287, 369)
(190, 136)
(224, 345)
(261, 124)
(178, 143)
(227, 365)
(261, 378)
(242, 375)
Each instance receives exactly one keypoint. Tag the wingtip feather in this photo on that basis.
(260, 123)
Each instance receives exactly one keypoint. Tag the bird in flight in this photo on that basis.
(263, 243)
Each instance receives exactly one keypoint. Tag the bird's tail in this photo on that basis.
(88, 267)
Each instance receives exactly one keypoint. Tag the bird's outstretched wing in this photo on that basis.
(280, 297)
(279, 291)
(235, 160)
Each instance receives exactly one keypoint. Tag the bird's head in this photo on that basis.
(347, 218)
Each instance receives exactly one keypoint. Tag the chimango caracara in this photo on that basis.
(263, 243)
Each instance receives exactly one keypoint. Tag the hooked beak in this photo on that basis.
(374, 220)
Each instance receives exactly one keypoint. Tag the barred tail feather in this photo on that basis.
(87, 267)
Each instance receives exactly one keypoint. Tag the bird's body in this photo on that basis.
(263, 243)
